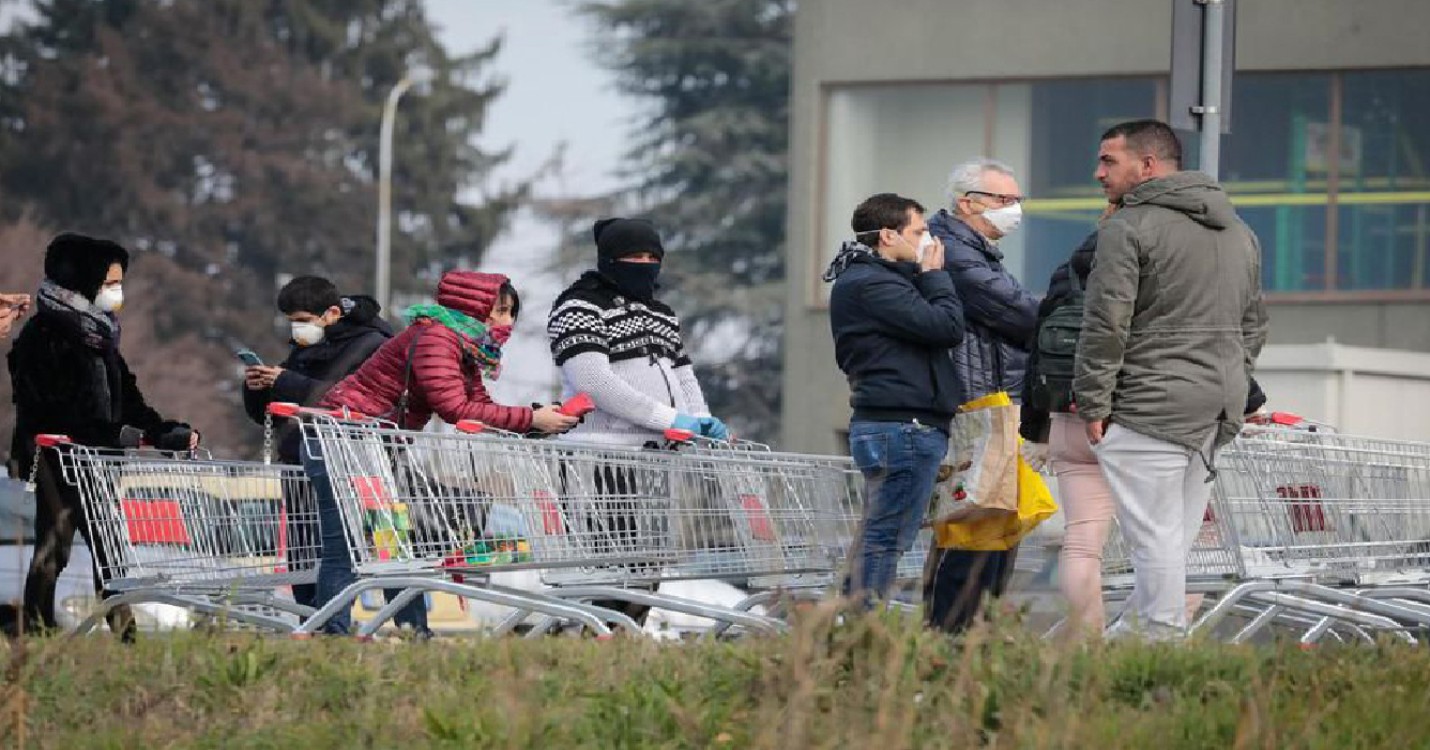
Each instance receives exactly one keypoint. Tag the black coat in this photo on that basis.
(57, 390)
(1035, 423)
(309, 371)
(893, 327)
(999, 314)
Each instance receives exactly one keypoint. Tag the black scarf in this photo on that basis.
(635, 280)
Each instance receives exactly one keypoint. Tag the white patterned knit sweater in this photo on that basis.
(629, 357)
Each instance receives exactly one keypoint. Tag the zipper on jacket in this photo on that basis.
(933, 380)
(654, 362)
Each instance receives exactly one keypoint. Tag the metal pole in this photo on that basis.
(1211, 86)
(383, 275)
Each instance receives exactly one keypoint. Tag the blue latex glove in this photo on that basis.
(687, 423)
(714, 429)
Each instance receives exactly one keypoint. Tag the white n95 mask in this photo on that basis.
(307, 334)
(109, 299)
(1005, 219)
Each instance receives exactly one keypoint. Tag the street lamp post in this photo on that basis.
(383, 280)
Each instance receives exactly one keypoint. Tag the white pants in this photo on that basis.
(1161, 490)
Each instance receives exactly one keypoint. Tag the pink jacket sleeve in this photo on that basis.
(454, 396)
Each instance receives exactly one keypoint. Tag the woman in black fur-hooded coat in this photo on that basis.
(69, 378)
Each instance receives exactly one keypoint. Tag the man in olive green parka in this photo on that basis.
(1172, 326)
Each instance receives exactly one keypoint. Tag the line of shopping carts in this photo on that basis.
(600, 523)
(1312, 532)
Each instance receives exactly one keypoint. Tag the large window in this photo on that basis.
(1382, 217)
(1069, 117)
(1357, 223)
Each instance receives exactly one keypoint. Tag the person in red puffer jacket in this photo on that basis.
(435, 366)
(438, 363)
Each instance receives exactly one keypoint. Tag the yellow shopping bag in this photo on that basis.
(1001, 532)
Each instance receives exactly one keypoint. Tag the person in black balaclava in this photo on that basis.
(614, 340)
(69, 378)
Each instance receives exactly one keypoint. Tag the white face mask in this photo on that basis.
(1005, 219)
(109, 299)
(307, 334)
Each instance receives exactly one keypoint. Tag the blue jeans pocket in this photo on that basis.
(870, 452)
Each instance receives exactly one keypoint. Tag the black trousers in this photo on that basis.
(58, 515)
(955, 582)
(615, 527)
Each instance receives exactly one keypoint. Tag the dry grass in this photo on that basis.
(880, 682)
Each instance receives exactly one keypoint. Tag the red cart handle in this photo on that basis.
(1279, 418)
(471, 427)
(679, 436)
(288, 409)
(578, 406)
(51, 440)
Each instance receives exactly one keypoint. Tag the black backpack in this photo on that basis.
(1055, 351)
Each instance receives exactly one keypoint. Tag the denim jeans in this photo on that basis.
(899, 461)
(335, 566)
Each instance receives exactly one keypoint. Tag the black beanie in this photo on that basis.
(79, 263)
(617, 238)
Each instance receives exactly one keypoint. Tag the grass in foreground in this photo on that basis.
(878, 683)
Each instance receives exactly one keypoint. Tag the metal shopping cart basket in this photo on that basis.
(223, 538)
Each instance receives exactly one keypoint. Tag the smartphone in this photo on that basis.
(249, 358)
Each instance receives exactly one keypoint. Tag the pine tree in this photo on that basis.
(708, 163)
(231, 141)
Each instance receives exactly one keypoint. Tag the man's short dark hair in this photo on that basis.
(308, 294)
(882, 211)
(1149, 137)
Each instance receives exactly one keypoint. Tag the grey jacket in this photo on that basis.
(1174, 318)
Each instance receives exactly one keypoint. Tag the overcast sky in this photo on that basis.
(555, 94)
(554, 91)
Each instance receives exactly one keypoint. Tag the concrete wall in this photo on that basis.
(891, 42)
(1387, 325)
(1361, 391)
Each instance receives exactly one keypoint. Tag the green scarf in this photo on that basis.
(473, 332)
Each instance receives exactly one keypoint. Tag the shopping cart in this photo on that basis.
(599, 523)
(737, 513)
(1321, 533)
(221, 538)
(786, 520)
(413, 507)
(1337, 521)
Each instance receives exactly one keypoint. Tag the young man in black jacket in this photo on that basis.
(331, 336)
(69, 378)
(894, 315)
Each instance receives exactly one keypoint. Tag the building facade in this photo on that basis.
(888, 95)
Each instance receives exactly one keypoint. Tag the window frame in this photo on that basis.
(816, 300)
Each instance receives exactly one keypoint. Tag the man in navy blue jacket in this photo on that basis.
(1001, 316)
(895, 315)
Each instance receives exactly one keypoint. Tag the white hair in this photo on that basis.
(968, 177)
